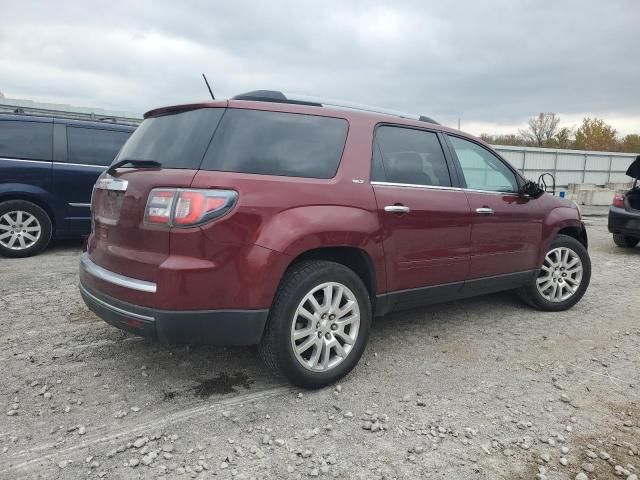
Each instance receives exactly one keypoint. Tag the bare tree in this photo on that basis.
(542, 129)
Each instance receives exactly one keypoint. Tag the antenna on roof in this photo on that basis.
(207, 82)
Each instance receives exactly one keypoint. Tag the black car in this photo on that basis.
(624, 213)
(48, 166)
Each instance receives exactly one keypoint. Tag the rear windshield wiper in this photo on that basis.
(135, 163)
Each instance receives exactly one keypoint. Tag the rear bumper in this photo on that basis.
(624, 222)
(199, 327)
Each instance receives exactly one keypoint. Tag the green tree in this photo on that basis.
(631, 143)
(562, 139)
(595, 134)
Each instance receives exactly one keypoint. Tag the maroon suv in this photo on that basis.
(290, 224)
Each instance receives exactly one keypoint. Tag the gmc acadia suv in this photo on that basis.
(290, 224)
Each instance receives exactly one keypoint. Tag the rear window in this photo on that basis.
(94, 146)
(277, 143)
(177, 140)
(28, 140)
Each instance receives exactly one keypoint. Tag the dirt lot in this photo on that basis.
(481, 389)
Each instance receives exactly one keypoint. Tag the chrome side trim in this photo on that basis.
(101, 167)
(23, 160)
(80, 204)
(491, 192)
(436, 187)
(103, 274)
(413, 185)
(115, 309)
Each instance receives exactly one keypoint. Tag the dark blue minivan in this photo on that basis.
(48, 167)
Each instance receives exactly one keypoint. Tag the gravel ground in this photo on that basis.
(484, 388)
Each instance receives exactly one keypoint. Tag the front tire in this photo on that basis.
(319, 324)
(563, 278)
(625, 241)
(25, 229)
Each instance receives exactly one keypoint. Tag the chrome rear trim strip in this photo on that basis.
(103, 274)
(115, 309)
(107, 182)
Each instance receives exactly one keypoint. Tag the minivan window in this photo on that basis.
(26, 140)
(176, 140)
(482, 170)
(93, 146)
(277, 143)
(409, 156)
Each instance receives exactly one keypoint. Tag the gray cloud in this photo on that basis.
(488, 62)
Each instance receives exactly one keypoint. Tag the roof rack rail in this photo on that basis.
(280, 97)
(70, 115)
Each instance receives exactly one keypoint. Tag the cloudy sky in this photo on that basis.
(491, 63)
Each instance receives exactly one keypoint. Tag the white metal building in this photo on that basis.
(569, 166)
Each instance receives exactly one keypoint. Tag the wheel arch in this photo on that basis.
(36, 200)
(354, 258)
(579, 233)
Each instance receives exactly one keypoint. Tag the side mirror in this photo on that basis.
(531, 190)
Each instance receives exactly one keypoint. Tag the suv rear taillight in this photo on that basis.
(187, 208)
(618, 200)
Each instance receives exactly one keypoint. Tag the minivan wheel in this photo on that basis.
(319, 324)
(25, 228)
(563, 278)
(625, 241)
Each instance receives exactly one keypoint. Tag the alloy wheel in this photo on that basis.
(325, 326)
(560, 276)
(19, 230)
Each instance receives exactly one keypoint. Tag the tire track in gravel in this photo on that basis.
(33, 457)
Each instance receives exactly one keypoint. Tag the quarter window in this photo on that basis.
(26, 140)
(482, 170)
(277, 143)
(93, 146)
(409, 156)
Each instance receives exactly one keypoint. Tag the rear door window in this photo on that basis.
(409, 156)
(94, 146)
(26, 140)
(277, 143)
(177, 140)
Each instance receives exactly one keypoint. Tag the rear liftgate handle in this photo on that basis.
(397, 209)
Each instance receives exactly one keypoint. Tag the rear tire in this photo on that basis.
(625, 241)
(25, 229)
(562, 281)
(325, 307)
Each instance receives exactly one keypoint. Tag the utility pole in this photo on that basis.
(458, 123)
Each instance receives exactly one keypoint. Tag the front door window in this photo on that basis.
(482, 170)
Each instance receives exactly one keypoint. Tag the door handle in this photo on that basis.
(397, 209)
(485, 211)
